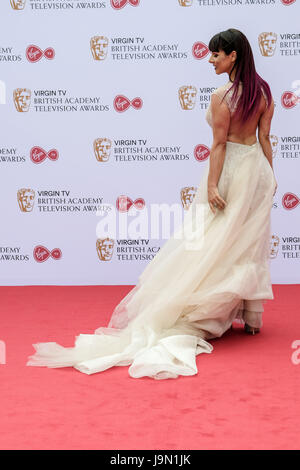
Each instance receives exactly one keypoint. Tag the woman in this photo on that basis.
(196, 286)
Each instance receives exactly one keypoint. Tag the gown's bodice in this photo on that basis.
(221, 92)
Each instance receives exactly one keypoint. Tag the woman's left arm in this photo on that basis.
(220, 126)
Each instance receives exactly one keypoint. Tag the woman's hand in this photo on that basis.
(214, 199)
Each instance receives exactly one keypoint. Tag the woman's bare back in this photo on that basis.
(245, 133)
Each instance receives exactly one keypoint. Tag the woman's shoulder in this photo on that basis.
(221, 90)
(226, 91)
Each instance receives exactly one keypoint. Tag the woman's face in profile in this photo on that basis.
(221, 62)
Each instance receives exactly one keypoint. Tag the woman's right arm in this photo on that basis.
(264, 126)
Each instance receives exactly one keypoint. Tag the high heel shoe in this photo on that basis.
(250, 329)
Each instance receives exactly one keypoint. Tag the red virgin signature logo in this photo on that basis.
(34, 53)
(290, 201)
(201, 152)
(124, 203)
(200, 50)
(287, 2)
(38, 155)
(289, 99)
(122, 103)
(118, 4)
(41, 253)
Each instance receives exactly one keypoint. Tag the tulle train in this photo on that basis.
(194, 288)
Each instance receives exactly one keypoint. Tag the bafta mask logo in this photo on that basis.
(289, 99)
(18, 4)
(187, 195)
(99, 46)
(290, 201)
(104, 248)
(102, 149)
(187, 97)
(22, 97)
(201, 152)
(185, 3)
(200, 50)
(26, 199)
(124, 203)
(41, 253)
(274, 143)
(274, 245)
(267, 43)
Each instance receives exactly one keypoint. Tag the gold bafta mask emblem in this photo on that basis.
(185, 3)
(102, 149)
(26, 199)
(274, 246)
(99, 45)
(18, 4)
(187, 97)
(267, 43)
(274, 143)
(187, 195)
(22, 98)
(105, 248)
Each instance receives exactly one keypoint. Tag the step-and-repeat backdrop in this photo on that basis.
(103, 130)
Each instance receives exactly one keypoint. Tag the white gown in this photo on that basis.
(193, 289)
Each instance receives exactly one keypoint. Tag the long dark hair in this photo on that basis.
(248, 104)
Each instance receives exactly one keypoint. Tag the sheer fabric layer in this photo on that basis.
(195, 287)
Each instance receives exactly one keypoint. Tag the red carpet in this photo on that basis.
(245, 396)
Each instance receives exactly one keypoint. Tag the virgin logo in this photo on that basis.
(41, 253)
(290, 201)
(34, 53)
(201, 152)
(124, 203)
(200, 50)
(289, 99)
(121, 103)
(118, 4)
(287, 2)
(38, 155)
